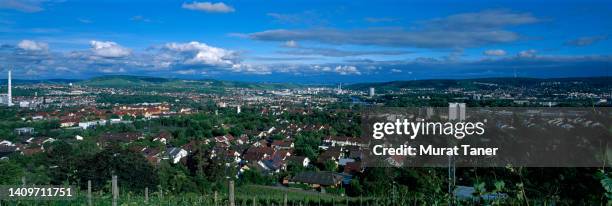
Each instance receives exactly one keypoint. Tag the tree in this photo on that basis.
(354, 188)
(330, 165)
(60, 161)
(11, 173)
(132, 169)
(255, 177)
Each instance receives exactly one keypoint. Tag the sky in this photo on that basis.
(313, 41)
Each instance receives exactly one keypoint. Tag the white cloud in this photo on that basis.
(140, 18)
(201, 53)
(456, 31)
(32, 72)
(108, 49)
(29, 6)
(347, 70)
(586, 41)
(309, 17)
(30, 45)
(209, 7)
(85, 21)
(495, 52)
(318, 68)
(379, 20)
(252, 69)
(527, 53)
(291, 44)
(186, 72)
(112, 70)
(396, 71)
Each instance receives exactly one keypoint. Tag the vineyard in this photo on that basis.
(266, 195)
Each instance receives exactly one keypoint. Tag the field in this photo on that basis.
(249, 195)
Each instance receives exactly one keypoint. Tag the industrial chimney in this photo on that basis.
(9, 95)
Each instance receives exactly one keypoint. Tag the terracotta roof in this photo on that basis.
(258, 153)
(32, 150)
(321, 178)
(296, 159)
(5, 149)
(329, 154)
(352, 167)
(120, 137)
(281, 143)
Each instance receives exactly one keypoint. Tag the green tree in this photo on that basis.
(11, 173)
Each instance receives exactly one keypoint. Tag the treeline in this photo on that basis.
(132, 99)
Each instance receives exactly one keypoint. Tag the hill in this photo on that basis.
(598, 82)
(123, 81)
(144, 81)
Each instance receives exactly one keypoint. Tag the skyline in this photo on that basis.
(304, 41)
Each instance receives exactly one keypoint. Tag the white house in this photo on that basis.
(176, 154)
(7, 143)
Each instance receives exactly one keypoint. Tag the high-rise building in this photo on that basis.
(9, 95)
(461, 111)
(456, 111)
(339, 89)
(452, 111)
(429, 112)
(372, 92)
(7, 99)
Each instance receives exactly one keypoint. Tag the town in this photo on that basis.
(206, 131)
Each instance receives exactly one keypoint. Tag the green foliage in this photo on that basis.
(131, 169)
(256, 177)
(307, 144)
(132, 99)
(354, 189)
(606, 183)
(10, 173)
(335, 190)
(330, 165)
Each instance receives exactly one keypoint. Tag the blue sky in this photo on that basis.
(305, 41)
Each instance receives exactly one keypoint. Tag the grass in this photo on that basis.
(262, 195)
(245, 195)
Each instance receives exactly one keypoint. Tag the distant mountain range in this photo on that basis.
(143, 81)
(134, 81)
(598, 82)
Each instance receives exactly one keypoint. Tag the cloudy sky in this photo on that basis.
(305, 41)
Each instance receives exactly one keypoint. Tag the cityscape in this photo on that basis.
(291, 136)
(241, 103)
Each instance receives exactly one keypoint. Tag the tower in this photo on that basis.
(9, 95)
(452, 111)
(456, 112)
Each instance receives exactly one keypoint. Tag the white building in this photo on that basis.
(7, 99)
(85, 125)
(176, 154)
(24, 130)
(24, 104)
(372, 92)
(456, 111)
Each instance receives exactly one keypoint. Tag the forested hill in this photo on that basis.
(596, 82)
(118, 81)
(140, 81)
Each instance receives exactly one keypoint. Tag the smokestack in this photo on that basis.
(9, 94)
